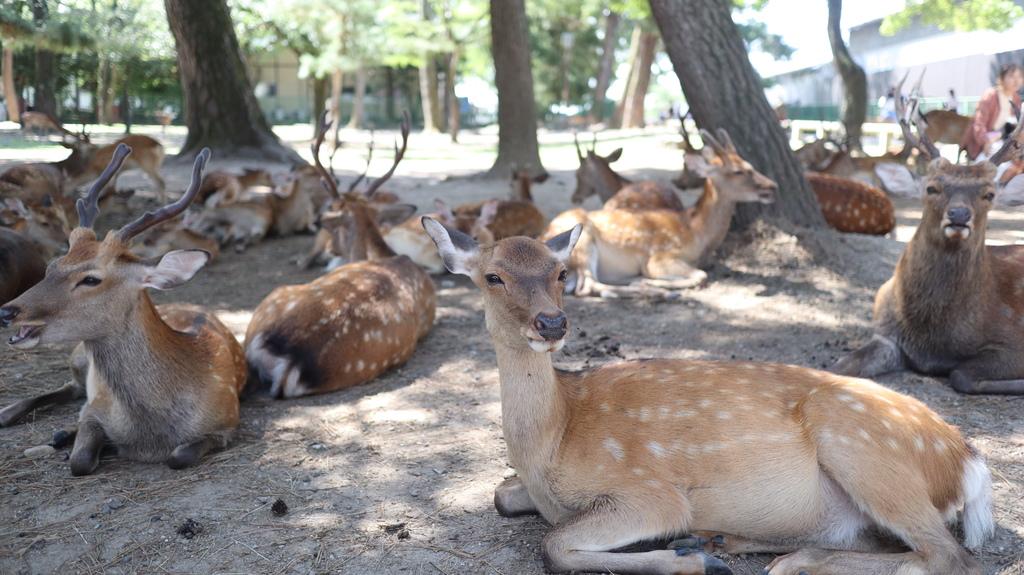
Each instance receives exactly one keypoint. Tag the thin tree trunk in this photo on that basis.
(854, 110)
(634, 54)
(454, 111)
(46, 66)
(126, 103)
(428, 93)
(337, 85)
(604, 67)
(10, 92)
(359, 100)
(389, 95)
(639, 81)
(102, 91)
(517, 111)
(321, 91)
(724, 91)
(111, 94)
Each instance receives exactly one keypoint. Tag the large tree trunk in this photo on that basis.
(639, 81)
(604, 67)
(10, 92)
(221, 111)
(855, 98)
(724, 91)
(359, 100)
(513, 77)
(103, 103)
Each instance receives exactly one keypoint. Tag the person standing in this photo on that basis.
(951, 102)
(998, 106)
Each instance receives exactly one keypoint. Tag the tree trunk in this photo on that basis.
(10, 92)
(724, 91)
(854, 110)
(359, 100)
(46, 66)
(604, 67)
(634, 52)
(126, 103)
(321, 91)
(639, 81)
(428, 93)
(102, 104)
(110, 95)
(337, 86)
(454, 113)
(389, 96)
(221, 111)
(513, 77)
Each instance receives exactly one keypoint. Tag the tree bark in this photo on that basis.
(221, 111)
(321, 91)
(724, 91)
(428, 93)
(854, 109)
(604, 67)
(102, 104)
(337, 86)
(358, 100)
(639, 81)
(10, 92)
(634, 52)
(513, 77)
(454, 111)
(46, 67)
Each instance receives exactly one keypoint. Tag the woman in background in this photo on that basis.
(998, 106)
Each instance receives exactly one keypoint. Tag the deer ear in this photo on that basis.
(562, 244)
(174, 268)
(897, 179)
(458, 251)
(394, 214)
(613, 156)
(698, 164)
(487, 213)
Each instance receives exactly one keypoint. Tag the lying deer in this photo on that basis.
(595, 176)
(658, 251)
(746, 457)
(41, 123)
(49, 178)
(953, 305)
(161, 383)
(174, 234)
(22, 265)
(353, 323)
(222, 187)
(521, 181)
(851, 206)
(39, 221)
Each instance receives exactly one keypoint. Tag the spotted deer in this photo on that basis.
(596, 177)
(851, 206)
(161, 382)
(659, 251)
(795, 461)
(174, 234)
(351, 324)
(147, 155)
(953, 305)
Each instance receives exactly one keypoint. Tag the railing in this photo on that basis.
(876, 137)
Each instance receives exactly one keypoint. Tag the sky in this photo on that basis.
(808, 33)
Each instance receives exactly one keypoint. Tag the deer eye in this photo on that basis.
(89, 281)
(45, 224)
(932, 190)
(561, 276)
(988, 197)
(493, 279)
(738, 172)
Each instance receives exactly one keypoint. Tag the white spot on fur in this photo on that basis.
(614, 448)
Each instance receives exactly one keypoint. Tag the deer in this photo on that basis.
(22, 264)
(175, 234)
(659, 448)
(147, 155)
(658, 251)
(354, 322)
(952, 306)
(596, 177)
(224, 187)
(41, 123)
(944, 126)
(852, 206)
(238, 224)
(161, 382)
(38, 221)
(521, 181)
(42, 178)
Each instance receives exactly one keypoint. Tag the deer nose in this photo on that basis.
(551, 327)
(958, 216)
(7, 315)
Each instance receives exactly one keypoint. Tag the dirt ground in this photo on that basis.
(396, 476)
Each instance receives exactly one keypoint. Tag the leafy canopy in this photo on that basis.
(961, 15)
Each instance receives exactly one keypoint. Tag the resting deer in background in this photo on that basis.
(224, 187)
(161, 383)
(595, 176)
(521, 182)
(354, 322)
(851, 206)
(745, 457)
(658, 251)
(39, 221)
(22, 265)
(147, 155)
(174, 234)
(953, 305)
(42, 178)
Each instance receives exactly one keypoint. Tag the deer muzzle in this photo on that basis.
(957, 223)
(28, 336)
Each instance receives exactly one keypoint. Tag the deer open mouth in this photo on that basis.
(961, 231)
(27, 336)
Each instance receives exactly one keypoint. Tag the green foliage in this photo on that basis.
(757, 37)
(962, 15)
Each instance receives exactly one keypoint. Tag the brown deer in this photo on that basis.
(953, 305)
(238, 224)
(354, 322)
(744, 457)
(521, 181)
(39, 221)
(174, 234)
(42, 123)
(22, 265)
(222, 187)
(658, 251)
(944, 126)
(595, 176)
(41, 178)
(851, 206)
(147, 155)
(161, 383)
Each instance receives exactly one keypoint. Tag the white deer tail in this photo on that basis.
(979, 524)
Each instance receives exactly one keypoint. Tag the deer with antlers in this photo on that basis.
(659, 251)
(147, 155)
(953, 305)
(595, 176)
(354, 322)
(744, 457)
(161, 382)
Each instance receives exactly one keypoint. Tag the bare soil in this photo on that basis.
(396, 475)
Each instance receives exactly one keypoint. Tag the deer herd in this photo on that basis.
(833, 473)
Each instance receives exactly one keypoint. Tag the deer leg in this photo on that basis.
(511, 498)
(937, 561)
(988, 373)
(582, 544)
(668, 272)
(14, 412)
(880, 355)
(188, 454)
(89, 441)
